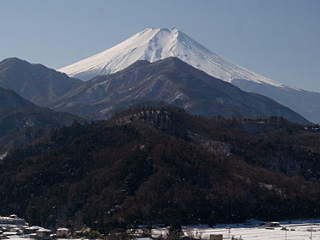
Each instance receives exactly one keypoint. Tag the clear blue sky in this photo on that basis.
(279, 39)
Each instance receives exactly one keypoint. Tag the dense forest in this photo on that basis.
(153, 165)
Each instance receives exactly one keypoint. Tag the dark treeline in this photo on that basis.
(162, 165)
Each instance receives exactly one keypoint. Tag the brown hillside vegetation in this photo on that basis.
(162, 165)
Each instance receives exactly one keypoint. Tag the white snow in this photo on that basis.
(298, 230)
(295, 230)
(3, 155)
(153, 44)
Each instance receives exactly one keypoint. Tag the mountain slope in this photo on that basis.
(153, 44)
(18, 117)
(34, 82)
(299, 100)
(171, 81)
(9, 101)
(151, 165)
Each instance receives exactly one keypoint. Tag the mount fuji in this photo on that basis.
(153, 44)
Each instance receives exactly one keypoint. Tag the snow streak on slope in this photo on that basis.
(153, 44)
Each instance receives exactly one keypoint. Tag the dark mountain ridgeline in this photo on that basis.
(162, 165)
(171, 81)
(34, 82)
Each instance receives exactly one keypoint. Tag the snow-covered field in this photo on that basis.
(296, 230)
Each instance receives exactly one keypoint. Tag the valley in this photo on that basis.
(158, 131)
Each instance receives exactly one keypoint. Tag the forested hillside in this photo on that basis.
(162, 165)
(21, 121)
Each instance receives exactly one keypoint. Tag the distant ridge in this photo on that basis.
(34, 82)
(171, 81)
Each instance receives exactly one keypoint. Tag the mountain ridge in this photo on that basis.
(170, 80)
(34, 82)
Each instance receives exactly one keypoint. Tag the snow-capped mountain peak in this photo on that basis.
(153, 44)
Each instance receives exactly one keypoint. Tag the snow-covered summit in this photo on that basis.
(153, 44)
